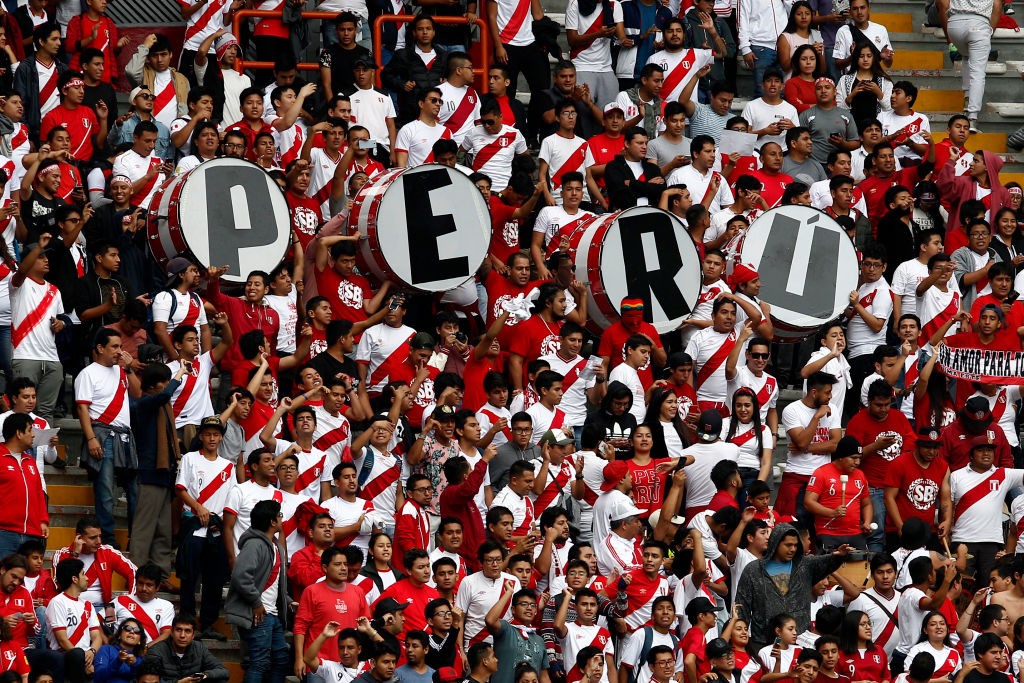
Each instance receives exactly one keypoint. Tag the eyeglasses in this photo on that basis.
(569, 113)
(759, 356)
(75, 221)
(445, 613)
(131, 629)
(874, 265)
(145, 95)
(522, 430)
(492, 560)
(287, 468)
(233, 145)
(526, 603)
(979, 235)
(435, 100)
(428, 489)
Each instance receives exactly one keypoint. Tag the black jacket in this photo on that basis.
(196, 659)
(405, 65)
(1004, 251)
(622, 196)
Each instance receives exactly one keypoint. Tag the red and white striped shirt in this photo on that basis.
(204, 21)
(165, 98)
(49, 95)
(105, 390)
(76, 617)
(33, 305)
(155, 616)
(460, 110)
(191, 401)
(208, 481)
(417, 139)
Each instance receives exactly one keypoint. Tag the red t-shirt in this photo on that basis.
(504, 230)
(473, 375)
(603, 149)
(345, 294)
(872, 666)
(774, 184)
(917, 487)
(243, 126)
(826, 483)
(613, 346)
(18, 601)
(693, 643)
(319, 604)
(800, 93)
(81, 124)
(305, 213)
(415, 597)
(648, 486)
(1014, 319)
(722, 499)
(535, 338)
(240, 374)
(501, 289)
(866, 429)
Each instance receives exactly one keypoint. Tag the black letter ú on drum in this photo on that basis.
(228, 234)
(659, 284)
(425, 225)
(818, 296)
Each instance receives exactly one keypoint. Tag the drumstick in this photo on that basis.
(946, 543)
(843, 479)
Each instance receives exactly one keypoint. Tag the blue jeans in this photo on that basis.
(764, 59)
(266, 651)
(103, 491)
(10, 541)
(40, 640)
(876, 539)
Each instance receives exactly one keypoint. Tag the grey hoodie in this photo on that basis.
(253, 565)
(762, 600)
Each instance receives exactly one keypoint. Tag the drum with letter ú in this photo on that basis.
(808, 267)
(641, 252)
(426, 228)
(224, 212)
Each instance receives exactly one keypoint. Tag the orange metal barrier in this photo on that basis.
(236, 25)
(479, 51)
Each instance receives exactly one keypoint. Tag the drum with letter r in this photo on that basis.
(807, 265)
(224, 212)
(641, 252)
(425, 228)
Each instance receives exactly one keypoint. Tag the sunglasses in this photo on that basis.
(131, 629)
(759, 356)
(145, 95)
(488, 122)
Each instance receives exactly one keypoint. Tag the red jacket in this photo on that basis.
(107, 37)
(106, 562)
(45, 588)
(304, 569)
(956, 190)
(457, 501)
(18, 601)
(24, 507)
(955, 445)
(412, 530)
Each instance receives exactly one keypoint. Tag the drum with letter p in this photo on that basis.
(807, 265)
(426, 228)
(224, 212)
(640, 252)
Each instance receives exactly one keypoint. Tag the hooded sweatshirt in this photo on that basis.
(762, 599)
(253, 565)
(955, 190)
(615, 426)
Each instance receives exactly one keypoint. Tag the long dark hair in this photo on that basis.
(791, 23)
(653, 420)
(923, 638)
(819, 63)
(140, 647)
(756, 419)
(877, 70)
(848, 632)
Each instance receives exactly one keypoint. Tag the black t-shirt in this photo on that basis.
(38, 215)
(442, 652)
(339, 61)
(329, 367)
(977, 677)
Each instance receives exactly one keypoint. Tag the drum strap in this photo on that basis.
(881, 606)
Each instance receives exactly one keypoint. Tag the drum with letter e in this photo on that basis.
(224, 212)
(425, 228)
(641, 252)
(807, 265)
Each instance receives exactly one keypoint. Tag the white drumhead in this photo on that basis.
(807, 264)
(433, 228)
(645, 253)
(233, 214)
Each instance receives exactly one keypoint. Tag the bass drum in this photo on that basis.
(425, 228)
(224, 212)
(641, 252)
(807, 265)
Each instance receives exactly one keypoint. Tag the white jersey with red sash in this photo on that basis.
(105, 391)
(208, 19)
(165, 99)
(321, 174)
(679, 66)
(242, 499)
(884, 615)
(765, 387)
(155, 616)
(33, 306)
(515, 22)
(934, 308)
(558, 488)
(705, 304)
(562, 155)
(906, 128)
(381, 348)
(136, 167)
(460, 110)
(493, 154)
(978, 499)
(208, 481)
(521, 507)
(488, 415)
(462, 569)
(911, 372)
(578, 637)
(371, 167)
(641, 593)
(982, 286)
(346, 513)
(475, 597)
(709, 350)
(75, 617)
(49, 97)
(294, 538)
(191, 401)
(574, 389)
(417, 139)
(1017, 520)
(20, 146)
(333, 435)
(187, 308)
(565, 228)
(311, 469)
(378, 478)
(596, 56)
(287, 142)
(1004, 405)
(617, 554)
(545, 419)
